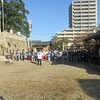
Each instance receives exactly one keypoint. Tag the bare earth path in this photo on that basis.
(24, 80)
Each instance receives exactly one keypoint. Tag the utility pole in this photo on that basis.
(2, 22)
(2, 18)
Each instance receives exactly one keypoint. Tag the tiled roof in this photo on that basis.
(38, 43)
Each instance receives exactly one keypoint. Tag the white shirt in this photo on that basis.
(39, 55)
(60, 54)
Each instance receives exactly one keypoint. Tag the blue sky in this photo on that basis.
(48, 17)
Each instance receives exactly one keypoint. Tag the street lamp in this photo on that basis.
(2, 16)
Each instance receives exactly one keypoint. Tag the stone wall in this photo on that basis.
(10, 42)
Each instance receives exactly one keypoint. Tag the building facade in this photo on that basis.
(40, 45)
(83, 15)
(82, 20)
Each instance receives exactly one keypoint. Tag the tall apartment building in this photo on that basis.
(83, 15)
(82, 19)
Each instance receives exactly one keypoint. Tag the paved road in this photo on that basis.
(23, 80)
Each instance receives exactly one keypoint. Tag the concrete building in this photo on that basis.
(82, 20)
(83, 15)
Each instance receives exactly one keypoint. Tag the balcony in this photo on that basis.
(92, 10)
(75, 11)
(92, 3)
(85, 6)
(84, 10)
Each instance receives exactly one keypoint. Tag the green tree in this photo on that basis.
(15, 16)
(64, 42)
(56, 43)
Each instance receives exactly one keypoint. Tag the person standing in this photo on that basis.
(60, 56)
(39, 57)
(32, 55)
(29, 55)
(49, 55)
(23, 54)
(17, 54)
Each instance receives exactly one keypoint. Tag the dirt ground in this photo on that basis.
(23, 80)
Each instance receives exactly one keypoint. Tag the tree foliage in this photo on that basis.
(15, 16)
(60, 43)
(56, 43)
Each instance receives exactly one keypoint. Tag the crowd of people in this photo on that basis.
(58, 56)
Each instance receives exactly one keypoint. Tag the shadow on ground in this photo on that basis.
(83, 65)
(90, 87)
